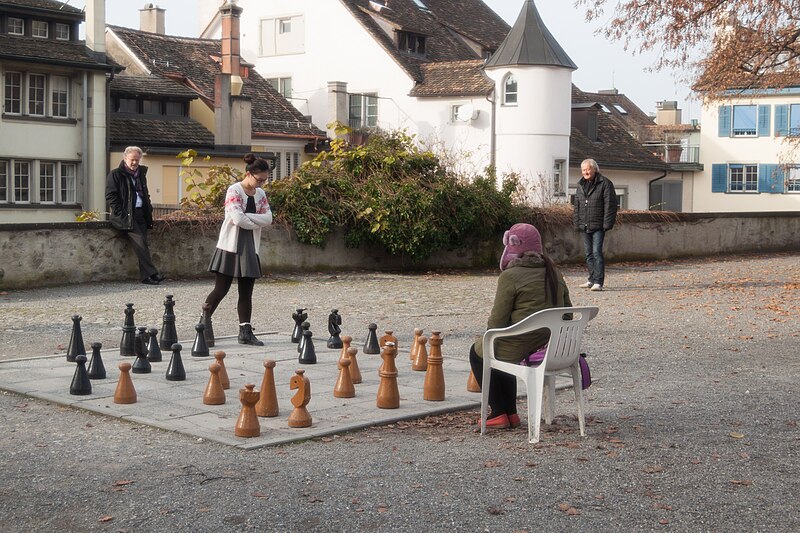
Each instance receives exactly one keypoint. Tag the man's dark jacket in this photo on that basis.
(595, 204)
(121, 198)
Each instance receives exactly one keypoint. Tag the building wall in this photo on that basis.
(633, 185)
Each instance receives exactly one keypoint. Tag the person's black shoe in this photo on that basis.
(246, 336)
(149, 281)
(158, 277)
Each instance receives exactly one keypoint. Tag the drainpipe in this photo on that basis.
(85, 141)
(649, 194)
(493, 134)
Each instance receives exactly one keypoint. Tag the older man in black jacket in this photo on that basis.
(595, 213)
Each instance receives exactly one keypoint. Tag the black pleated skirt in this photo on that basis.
(242, 264)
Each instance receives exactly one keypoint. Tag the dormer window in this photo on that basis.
(16, 26)
(510, 90)
(62, 31)
(40, 28)
(411, 43)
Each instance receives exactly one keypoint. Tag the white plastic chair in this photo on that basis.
(563, 351)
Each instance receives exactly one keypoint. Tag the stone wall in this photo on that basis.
(34, 255)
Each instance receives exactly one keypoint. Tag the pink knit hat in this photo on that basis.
(519, 239)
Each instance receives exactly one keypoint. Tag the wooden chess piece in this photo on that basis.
(200, 348)
(127, 346)
(388, 393)
(355, 372)
(81, 385)
(223, 373)
(247, 425)
(76, 345)
(175, 369)
(214, 393)
(371, 345)
(421, 360)
(268, 399)
(153, 350)
(97, 370)
(472, 383)
(433, 389)
(208, 331)
(388, 337)
(344, 383)
(414, 345)
(300, 418)
(346, 340)
(169, 335)
(125, 393)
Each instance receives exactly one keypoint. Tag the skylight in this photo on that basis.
(421, 5)
(620, 109)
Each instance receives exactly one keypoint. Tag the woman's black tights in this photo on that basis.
(502, 388)
(222, 285)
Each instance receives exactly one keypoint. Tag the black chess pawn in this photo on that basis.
(169, 335)
(205, 318)
(97, 369)
(371, 346)
(200, 348)
(305, 326)
(153, 351)
(81, 386)
(127, 346)
(175, 370)
(334, 328)
(76, 346)
(299, 317)
(309, 355)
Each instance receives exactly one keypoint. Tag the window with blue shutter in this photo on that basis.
(725, 121)
(770, 178)
(763, 120)
(719, 178)
(781, 120)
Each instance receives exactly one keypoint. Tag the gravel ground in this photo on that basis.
(691, 424)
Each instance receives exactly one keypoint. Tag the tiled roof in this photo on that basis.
(149, 86)
(441, 43)
(614, 148)
(453, 78)
(50, 52)
(634, 120)
(197, 61)
(147, 132)
(49, 5)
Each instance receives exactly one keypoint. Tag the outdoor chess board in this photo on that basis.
(178, 405)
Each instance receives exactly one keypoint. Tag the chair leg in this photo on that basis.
(549, 399)
(577, 387)
(534, 385)
(485, 383)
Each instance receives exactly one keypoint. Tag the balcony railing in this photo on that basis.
(675, 153)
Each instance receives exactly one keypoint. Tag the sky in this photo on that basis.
(601, 64)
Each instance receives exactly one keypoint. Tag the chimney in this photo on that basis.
(151, 19)
(96, 28)
(337, 104)
(667, 113)
(232, 112)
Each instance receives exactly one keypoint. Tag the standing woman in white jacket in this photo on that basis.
(246, 212)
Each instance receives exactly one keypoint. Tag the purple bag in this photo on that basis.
(536, 358)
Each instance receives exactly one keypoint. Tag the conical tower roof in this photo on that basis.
(530, 43)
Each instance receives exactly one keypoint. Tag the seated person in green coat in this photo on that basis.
(528, 282)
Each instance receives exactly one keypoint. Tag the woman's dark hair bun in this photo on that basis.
(249, 158)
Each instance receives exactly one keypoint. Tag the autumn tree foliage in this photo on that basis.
(718, 44)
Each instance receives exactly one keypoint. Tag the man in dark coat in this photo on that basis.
(595, 213)
(130, 210)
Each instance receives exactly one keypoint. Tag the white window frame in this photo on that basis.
(282, 84)
(748, 178)
(38, 182)
(36, 29)
(15, 26)
(47, 182)
(4, 185)
(8, 93)
(367, 107)
(559, 165)
(62, 31)
(37, 95)
(59, 90)
(793, 179)
(744, 132)
(510, 78)
(283, 35)
(21, 182)
(68, 182)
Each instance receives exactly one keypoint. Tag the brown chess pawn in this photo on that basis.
(223, 373)
(247, 425)
(433, 389)
(472, 383)
(355, 372)
(300, 418)
(214, 393)
(388, 337)
(414, 344)
(388, 393)
(346, 340)
(125, 392)
(421, 359)
(344, 383)
(268, 401)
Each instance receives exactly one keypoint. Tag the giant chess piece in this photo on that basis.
(421, 361)
(153, 351)
(355, 372)
(309, 355)
(472, 383)
(305, 326)
(81, 385)
(214, 393)
(415, 344)
(200, 348)
(371, 346)
(175, 369)
(247, 425)
(205, 318)
(300, 417)
(169, 335)
(125, 393)
(334, 328)
(268, 401)
(388, 393)
(76, 346)
(223, 372)
(388, 337)
(433, 389)
(97, 369)
(141, 365)
(344, 383)
(127, 346)
(346, 340)
(299, 317)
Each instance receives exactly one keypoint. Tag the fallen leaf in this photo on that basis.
(106, 518)
(492, 464)
(495, 510)
(744, 482)
(260, 495)
(663, 521)
(736, 435)
(744, 455)
(123, 482)
(652, 469)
